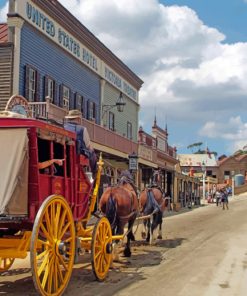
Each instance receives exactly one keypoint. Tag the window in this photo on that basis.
(227, 175)
(31, 84)
(111, 121)
(129, 130)
(91, 109)
(65, 96)
(50, 88)
(79, 103)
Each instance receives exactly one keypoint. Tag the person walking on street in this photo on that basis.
(225, 199)
(218, 197)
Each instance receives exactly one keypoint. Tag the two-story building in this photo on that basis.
(57, 64)
(160, 156)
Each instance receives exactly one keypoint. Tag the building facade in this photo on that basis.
(156, 149)
(57, 64)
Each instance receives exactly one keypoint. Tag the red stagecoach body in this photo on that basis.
(44, 142)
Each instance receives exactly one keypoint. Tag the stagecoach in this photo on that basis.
(45, 210)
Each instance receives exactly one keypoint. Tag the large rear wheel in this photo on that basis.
(52, 246)
(101, 248)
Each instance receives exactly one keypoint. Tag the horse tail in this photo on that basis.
(111, 211)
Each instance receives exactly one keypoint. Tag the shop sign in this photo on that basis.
(45, 24)
(145, 153)
(120, 83)
(18, 104)
(133, 162)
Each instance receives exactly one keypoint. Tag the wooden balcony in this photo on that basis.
(98, 134)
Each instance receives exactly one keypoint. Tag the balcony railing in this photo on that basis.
(98, 134)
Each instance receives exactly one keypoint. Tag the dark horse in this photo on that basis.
(152, 202)
(120, 205)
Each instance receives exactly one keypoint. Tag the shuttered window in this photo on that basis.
(111, 121)
(50, 88)
(91, 110)
(65, 97)
(32, 84)
(129, 130)
(79, 103)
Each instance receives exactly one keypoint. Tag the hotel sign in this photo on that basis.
(46, 25)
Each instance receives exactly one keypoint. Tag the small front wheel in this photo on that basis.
(101, 248)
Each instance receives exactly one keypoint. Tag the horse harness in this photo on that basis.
(122, 181)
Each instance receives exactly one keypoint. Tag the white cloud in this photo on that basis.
(234, 131)
(3, 13)
(188, 72)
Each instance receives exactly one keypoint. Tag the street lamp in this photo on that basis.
(203, 180)
(119, 104)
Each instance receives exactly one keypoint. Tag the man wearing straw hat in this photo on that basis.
(84, 147)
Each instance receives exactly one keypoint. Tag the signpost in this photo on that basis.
(133, 162)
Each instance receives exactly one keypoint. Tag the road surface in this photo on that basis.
(203, 253)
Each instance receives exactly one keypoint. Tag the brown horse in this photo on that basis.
(152, 202)
(120, 205)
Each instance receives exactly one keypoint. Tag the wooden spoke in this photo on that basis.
(101, 248)
(52, 246)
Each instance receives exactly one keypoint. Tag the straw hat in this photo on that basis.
(73, 114)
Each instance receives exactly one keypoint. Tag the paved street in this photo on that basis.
(203, 252)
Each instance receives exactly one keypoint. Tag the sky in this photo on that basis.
(191, 55)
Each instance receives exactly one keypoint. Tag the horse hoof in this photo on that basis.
(159, 237)
(143, 235)
(127, 253)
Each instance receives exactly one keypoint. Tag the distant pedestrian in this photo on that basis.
(225, 199)
(218, 197)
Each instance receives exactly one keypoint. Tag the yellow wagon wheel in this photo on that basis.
(101, 248)
(5, 263)
(52, 246)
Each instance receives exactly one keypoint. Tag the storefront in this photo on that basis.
(57, 57)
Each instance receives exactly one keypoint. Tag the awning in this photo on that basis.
(115, 164)
(109, 150)
(147, 163)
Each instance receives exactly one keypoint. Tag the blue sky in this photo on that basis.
(191, 55)
(228, 16)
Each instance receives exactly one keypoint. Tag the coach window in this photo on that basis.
(58, 151)
(31, 84)
(50, 88)
(44, 154)
(69, 156)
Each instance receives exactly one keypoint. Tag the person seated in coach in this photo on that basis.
(84, 147)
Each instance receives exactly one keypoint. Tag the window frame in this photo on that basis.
(48, 93)
(129, 131)
(91, 110)
(111, 121)
(82, 107)
(65, 100)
